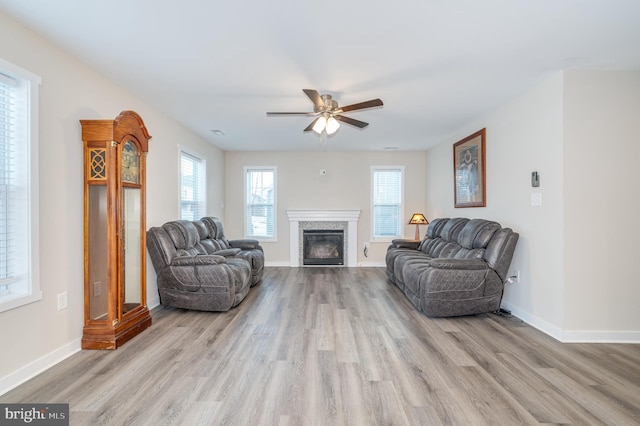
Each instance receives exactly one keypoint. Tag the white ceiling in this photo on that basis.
(436, 64)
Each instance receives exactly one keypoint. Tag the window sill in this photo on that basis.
(262, 239)
(11, 302)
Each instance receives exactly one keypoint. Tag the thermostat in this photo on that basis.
(535, 179)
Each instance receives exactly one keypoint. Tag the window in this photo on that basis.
(260, 198)
(19, 263)
(193, 203)
(387, 207)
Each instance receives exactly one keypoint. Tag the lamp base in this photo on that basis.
(418, 232)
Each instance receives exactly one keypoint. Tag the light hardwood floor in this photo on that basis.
(341, 346)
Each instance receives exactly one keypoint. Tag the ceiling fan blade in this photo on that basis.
(362, 105)
(310, 126)
(315, 97)
(292, 113)
(349, 120)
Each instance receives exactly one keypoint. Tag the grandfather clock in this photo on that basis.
(115, 299)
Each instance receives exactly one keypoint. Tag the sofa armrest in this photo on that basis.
(204, 259)
(459, 264)
(245, 244)
(227, 252)
(402, 243)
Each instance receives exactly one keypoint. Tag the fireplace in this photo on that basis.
(345, 220)
(322, 247)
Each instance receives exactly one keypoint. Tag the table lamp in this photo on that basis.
(418, 219)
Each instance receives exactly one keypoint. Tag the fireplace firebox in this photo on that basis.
(323, 247)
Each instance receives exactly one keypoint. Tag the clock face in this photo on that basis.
(130, 163)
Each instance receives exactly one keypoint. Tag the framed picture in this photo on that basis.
(469, 182)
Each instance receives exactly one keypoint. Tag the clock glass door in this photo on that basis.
(98, 253)
(131, 227)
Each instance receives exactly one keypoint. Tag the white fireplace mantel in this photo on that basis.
(349, 216)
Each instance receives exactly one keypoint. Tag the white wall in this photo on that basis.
(37, 335)
(347, 185)
(574, 277)
(602, 201)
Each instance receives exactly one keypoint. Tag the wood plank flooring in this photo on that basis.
(341, 346)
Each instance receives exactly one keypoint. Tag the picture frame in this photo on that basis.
(469, 171)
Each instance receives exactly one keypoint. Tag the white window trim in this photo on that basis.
(400, 213)
(34, 291)
(274, 169)
(182, 149)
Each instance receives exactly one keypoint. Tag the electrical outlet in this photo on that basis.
(62, 301)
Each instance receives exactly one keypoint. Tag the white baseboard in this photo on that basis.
(599, 336)
(36, 367)
(360, 264)
(534, 321)
(276, 264)
(153, 303)
(574, 336)
(372, 264)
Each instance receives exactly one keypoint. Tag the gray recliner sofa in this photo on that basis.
(197, 271)
(249, 249)
(459, 268)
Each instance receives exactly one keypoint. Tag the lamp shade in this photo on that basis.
(320, 124)
(418, 219)
(332, 125)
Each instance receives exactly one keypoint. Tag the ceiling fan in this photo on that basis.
(329, 113)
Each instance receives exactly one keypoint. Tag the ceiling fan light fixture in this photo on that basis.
(328, 113)
(332, 125)
(320, 125)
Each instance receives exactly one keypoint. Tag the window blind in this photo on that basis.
(260, 202)
(192, 191)
(19, 226)
(387, 202)
(8, 181)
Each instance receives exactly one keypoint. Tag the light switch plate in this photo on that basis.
(536, 199)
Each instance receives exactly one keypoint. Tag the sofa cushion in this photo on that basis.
(204, 244)
(434, 230)
(473, 239)
(249, 249)
(216, 231)
(184, 235)
(477, 233)
(430, 245)
(452, 229)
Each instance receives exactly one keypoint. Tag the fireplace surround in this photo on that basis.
(346, 220)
